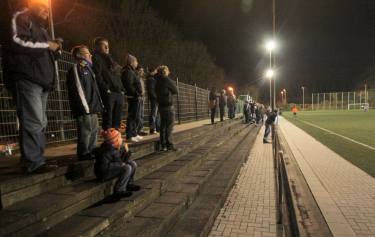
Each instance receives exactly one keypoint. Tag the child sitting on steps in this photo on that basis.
(113, 160)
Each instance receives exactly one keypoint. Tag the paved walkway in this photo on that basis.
(345, 194)
(250, 207)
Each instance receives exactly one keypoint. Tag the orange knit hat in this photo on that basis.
(113, 137)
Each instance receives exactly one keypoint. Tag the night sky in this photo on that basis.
(325, 45)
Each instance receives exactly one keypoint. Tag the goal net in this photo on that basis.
(358, 106)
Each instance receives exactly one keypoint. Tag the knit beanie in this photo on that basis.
(113, 137)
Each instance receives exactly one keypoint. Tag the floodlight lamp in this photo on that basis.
(270, 73)
(271, 45)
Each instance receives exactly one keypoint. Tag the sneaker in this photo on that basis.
(133, 187)
(265, 141)
(134, 139)
(139, 137)
(122, 194)
(163, 148)
(142, 134)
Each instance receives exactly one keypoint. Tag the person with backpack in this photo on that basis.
(85, 101)
(30, 74)
(165, 89)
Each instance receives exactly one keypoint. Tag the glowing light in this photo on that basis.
(270, 73)
(35, 2)
(271, 45)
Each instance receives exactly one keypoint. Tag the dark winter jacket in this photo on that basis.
(271, 117)
(132, 83)
(231, 100)
(84, 95)
(150, 85)
(165, 89)
(107, 158)
(29, 56)
(222, 100)
(108, 74)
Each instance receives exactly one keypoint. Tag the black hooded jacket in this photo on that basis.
(28, 56)
(108, 73)
(165, 89)
(131, 83)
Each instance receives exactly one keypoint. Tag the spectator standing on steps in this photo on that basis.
(212, 104)
(30, 72)
(165, 89)
(222, 104)
(108, 76)
(113, 161)
(141, 101)
(154, 118)
(231, 103)
(133, 87)
(85, 101)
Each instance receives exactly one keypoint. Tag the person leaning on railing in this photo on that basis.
(85, 101)
(30, 75)
(271, 118)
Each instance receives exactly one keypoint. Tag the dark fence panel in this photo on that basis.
(190, 103)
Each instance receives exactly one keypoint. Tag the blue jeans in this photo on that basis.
(31, 103)
(154, 118)
(140, 115)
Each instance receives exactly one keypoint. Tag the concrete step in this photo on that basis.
(156, 183)
(42, 212)
(24, 187)
(159, 217)
(200, 217)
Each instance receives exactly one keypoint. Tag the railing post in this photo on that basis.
(208, 99)
(196, 101)
(178, 102)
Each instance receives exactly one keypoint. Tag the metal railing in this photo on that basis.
(191, 104)
(285, 214)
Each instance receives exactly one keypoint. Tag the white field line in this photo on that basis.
(339, 135)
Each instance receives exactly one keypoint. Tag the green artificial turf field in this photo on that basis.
(354, 124)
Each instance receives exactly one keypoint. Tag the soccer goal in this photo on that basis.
(364, 106)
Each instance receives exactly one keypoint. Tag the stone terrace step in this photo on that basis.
(159, 217)
(41, 212)
(24, 187)
(98, 218)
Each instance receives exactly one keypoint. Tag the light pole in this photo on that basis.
(271, 46)
(303, 97)
(284, 90)
(270, 75)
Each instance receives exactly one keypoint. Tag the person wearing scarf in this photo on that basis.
(85, 101)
